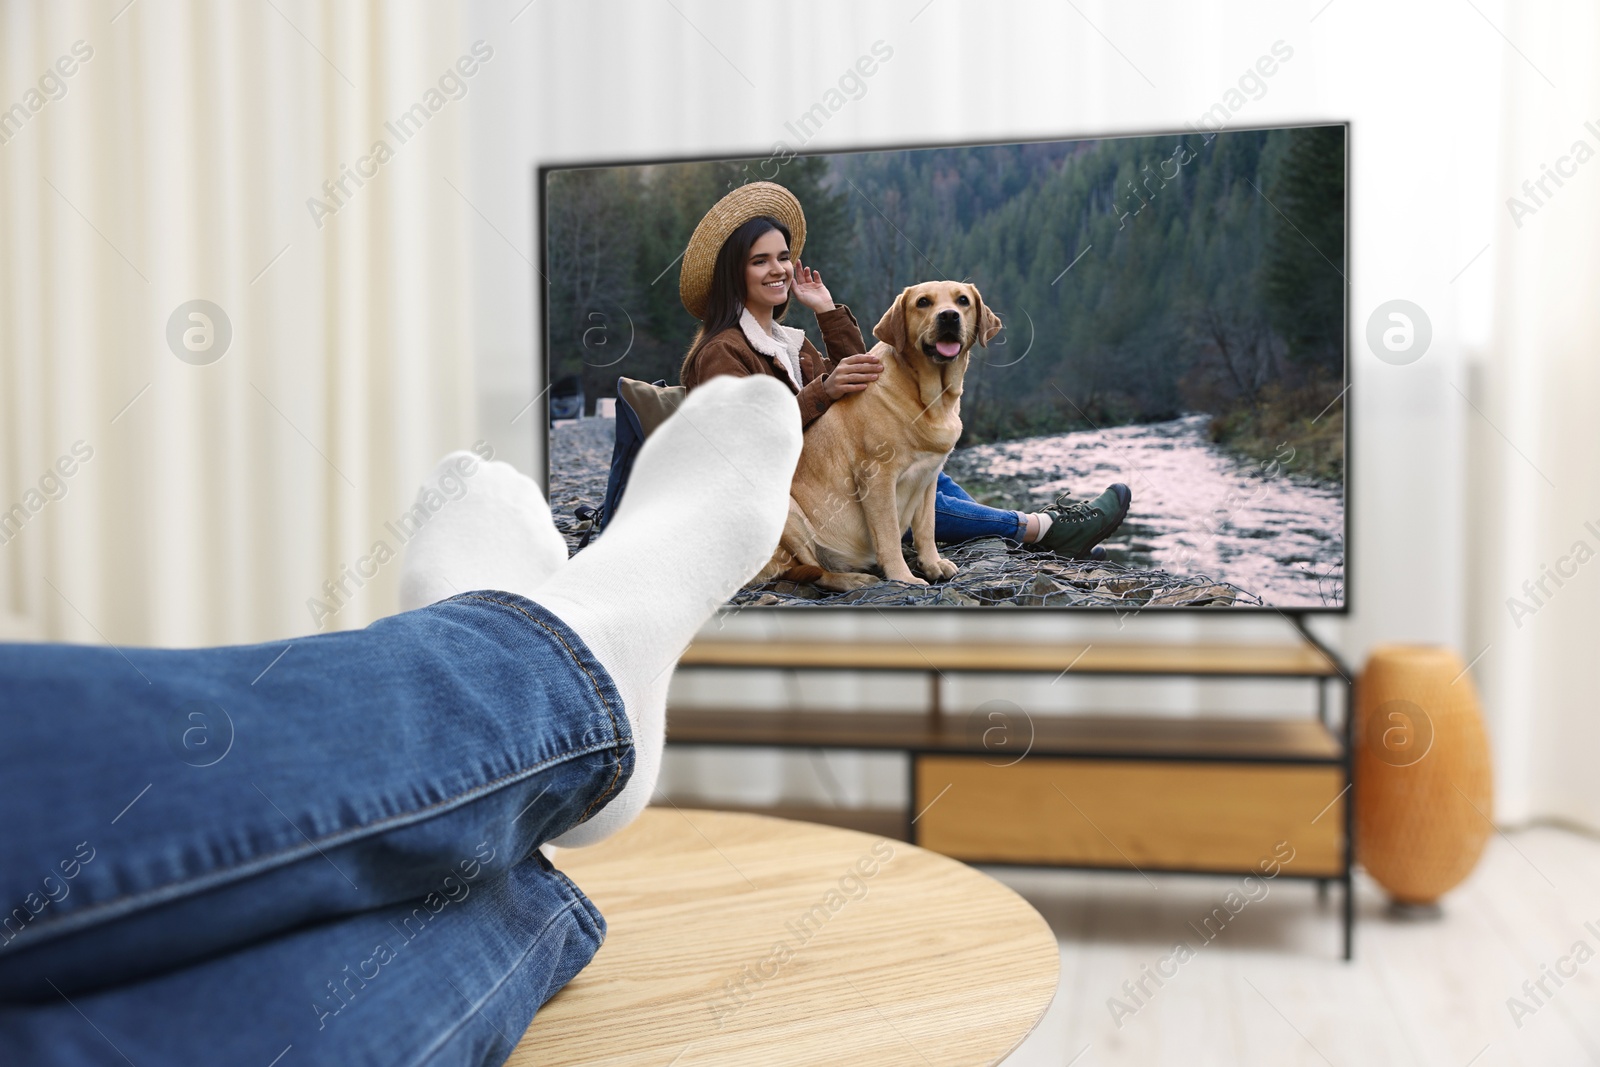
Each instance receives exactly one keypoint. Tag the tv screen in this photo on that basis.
(1132, 352)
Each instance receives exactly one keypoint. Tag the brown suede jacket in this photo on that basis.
(730, 353)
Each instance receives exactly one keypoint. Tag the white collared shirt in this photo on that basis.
(783, 344)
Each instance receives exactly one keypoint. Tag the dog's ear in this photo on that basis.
(988, 322)
(891, 329)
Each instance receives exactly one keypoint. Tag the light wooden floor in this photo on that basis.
(1270, 989)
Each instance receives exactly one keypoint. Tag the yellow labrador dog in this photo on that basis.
(870, 462)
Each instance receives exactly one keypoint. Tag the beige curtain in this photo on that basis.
(160, 153)
(1534, 512)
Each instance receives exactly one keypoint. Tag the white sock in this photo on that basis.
(493, 531)
(703, 511)
(1044, 525)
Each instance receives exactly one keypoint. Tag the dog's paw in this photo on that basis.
(845, 581)
(939, 570)
(909, 579)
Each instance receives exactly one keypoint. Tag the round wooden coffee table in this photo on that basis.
(743, 939)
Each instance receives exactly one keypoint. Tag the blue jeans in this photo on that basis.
(958, 517)
(212, 855)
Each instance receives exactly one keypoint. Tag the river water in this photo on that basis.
(1197, 509)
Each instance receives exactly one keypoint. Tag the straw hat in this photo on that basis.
(727, 215)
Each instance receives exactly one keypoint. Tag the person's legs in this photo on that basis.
(450, 979)
(165, 805)
(946, 486)
(268, 787)
(1065, 527)
(957, 517)
(955, 520)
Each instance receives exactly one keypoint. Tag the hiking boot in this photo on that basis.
(1077, 528)
(1064, 499)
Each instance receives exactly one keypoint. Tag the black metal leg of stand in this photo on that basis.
(911, 798)
(1349, 917)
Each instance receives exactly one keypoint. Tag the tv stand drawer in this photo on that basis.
(1151, 815)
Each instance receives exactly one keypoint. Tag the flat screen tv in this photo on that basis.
(1167, 313)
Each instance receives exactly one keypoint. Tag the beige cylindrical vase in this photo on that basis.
(1424, 787)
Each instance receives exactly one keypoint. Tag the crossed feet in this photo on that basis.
(638, 595)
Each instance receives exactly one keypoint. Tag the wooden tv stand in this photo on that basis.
(1197, 795)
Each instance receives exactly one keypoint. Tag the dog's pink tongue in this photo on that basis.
(947, 348)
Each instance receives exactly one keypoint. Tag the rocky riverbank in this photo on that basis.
(993, 572)
(998, 573)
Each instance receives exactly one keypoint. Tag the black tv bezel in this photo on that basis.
(1293, 613)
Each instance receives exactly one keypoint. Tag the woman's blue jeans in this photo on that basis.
(958, 517)
(322, 850)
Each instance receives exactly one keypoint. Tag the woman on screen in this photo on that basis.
(741, 267)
